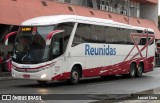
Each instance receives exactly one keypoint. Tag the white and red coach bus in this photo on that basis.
(70, 47)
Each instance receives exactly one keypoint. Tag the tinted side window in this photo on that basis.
(128, 39)
(122, 36)
(151, 32)
(56, 45)
(143, 40)
(111, 35)
(67, 27)
(98, 34)
(82, 34)
(118, 36)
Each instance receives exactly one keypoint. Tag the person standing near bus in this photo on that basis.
(8, 61)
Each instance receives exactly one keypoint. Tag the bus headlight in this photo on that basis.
(43, 76)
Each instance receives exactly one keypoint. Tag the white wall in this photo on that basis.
(149, 12)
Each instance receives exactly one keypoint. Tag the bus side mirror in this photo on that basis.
(9, 35)
(51, 34)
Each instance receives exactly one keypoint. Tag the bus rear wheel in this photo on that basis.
(139, 70)
(132, 71)
(74, 76)
(42, 82)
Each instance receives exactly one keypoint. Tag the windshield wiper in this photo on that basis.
(28, 49)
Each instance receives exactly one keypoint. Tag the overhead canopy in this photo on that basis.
(14, 12)
(17, 11)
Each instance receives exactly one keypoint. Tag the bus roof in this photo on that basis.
(51, 20)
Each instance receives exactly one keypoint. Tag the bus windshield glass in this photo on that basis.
(30, 45)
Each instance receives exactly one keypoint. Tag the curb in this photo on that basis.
(5, 76)
(125, 97)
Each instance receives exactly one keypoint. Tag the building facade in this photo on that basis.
(146, 9)
(142, 13)
(134, 12)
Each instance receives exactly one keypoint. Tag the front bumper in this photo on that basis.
(45, 75)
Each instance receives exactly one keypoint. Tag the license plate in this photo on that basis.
(26, 76)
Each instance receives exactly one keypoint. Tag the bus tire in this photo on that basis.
(139, 70)
(74, 76)
(42, 82)
(132, 71)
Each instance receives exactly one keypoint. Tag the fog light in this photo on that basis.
(43, 76)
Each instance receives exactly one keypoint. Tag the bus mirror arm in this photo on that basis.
(51, 34)
(9, 35)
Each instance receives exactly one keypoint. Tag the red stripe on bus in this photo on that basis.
(36, 67)
(120, 68)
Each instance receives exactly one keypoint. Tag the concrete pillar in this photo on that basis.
(94, 4)
(150, 12)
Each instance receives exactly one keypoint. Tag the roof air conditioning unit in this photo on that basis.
(118, 10)
(102, 7)
(110, 8)
(107, 8)
(124, 12)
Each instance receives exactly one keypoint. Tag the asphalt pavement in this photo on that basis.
(5, 74)
(93, 86)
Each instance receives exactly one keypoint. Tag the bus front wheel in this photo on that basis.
(74, 76)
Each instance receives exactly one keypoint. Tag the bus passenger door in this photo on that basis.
(66, 56)
(56, 52)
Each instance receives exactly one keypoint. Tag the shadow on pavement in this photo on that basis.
(86, 81)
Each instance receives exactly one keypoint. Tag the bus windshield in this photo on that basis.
(30, 45)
